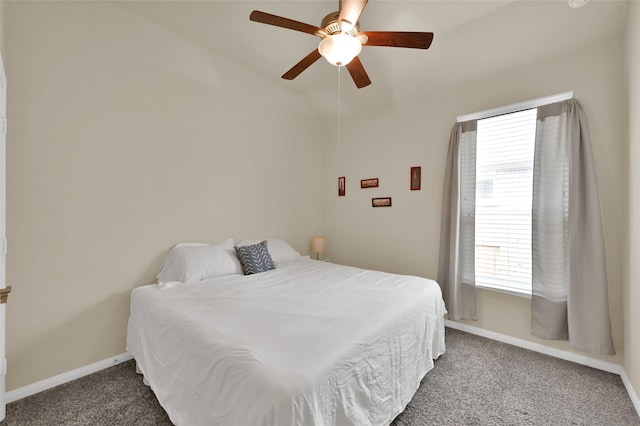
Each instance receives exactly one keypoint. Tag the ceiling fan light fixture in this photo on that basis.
(339, 49)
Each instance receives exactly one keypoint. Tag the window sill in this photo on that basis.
(511, 291)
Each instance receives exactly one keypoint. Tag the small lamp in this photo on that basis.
(317, 246)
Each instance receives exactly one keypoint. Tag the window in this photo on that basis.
(504, 189)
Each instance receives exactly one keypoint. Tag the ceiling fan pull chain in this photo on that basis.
(339, 110)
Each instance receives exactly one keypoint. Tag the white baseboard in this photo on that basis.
(554, 352)
(632, 393)
(60, 379)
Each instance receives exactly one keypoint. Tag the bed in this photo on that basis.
(307, 343)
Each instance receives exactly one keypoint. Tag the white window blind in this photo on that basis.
(504, 185)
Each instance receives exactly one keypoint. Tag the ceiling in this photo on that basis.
(473, 38)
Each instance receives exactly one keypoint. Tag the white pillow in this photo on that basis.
(193, 244)
(280, 251)
(248, 242)
(187, 263)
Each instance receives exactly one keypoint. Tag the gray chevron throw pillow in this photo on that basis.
(255, 258)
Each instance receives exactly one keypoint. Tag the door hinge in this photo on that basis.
(4, 367)
(3, 246)
(3, 125)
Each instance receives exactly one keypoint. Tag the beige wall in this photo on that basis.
(631, 293)
(124, 140)
(405, 237)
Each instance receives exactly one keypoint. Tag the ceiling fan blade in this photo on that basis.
(305, 63)
(350, 11)
(414, 40)
(279, 21)
(358, 73)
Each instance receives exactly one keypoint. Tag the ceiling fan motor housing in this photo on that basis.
(331, 25)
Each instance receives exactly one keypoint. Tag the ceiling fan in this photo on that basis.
(342, 39)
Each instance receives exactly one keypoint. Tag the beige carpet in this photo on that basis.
(476, 382)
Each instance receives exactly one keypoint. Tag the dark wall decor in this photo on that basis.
(381, 202)
(416, 178)
(369, 183)
(342, 186)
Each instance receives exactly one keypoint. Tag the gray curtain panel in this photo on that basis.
(569, 276)
(456, 266)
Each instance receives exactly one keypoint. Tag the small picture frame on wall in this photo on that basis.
(416, 178)
(369, 183)
(381, 202)
(342, 186)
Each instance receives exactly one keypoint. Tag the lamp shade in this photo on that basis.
(340, 49)
(317, 244)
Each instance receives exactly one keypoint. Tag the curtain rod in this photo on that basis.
(520, 106)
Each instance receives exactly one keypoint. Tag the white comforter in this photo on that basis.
(309, 343)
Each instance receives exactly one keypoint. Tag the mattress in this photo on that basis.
(308, 343)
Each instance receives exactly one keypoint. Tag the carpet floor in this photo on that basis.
(476, 382)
